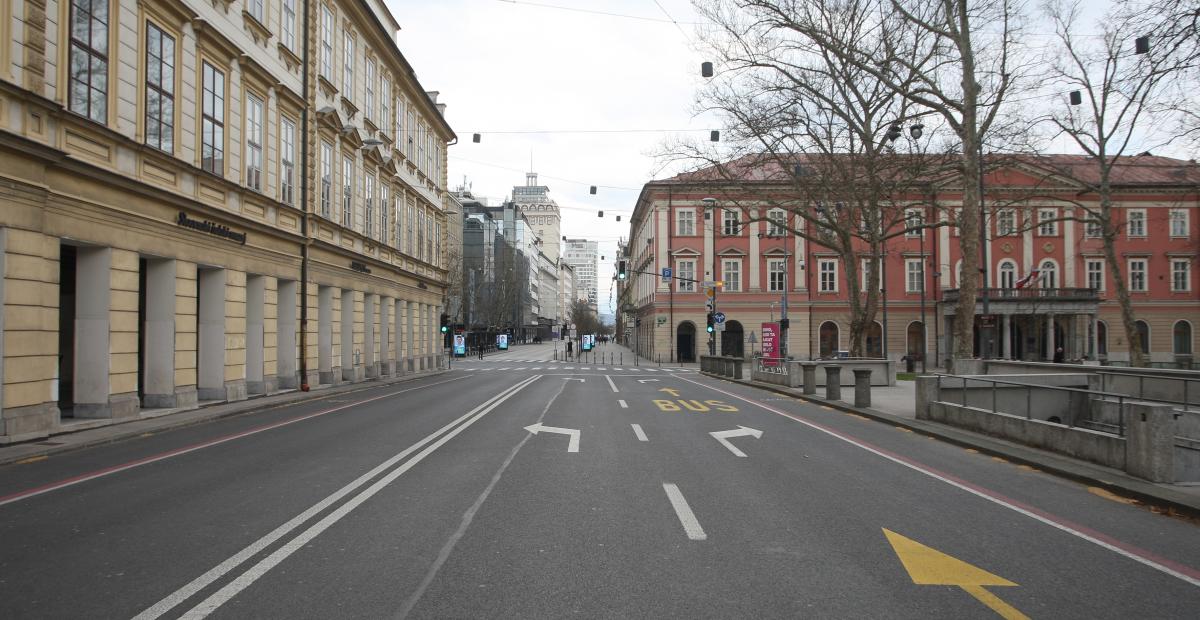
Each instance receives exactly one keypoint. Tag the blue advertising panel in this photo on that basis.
(460, 345)
(502, 342)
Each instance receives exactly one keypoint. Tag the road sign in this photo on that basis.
(666, 274)
(718, 317)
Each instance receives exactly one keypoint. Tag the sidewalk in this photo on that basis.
(77, 440)
(896, 405)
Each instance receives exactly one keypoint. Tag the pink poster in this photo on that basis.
(770, 344)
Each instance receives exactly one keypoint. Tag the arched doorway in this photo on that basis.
(732, 339)
(874, 340)
(828, 335)
(915, 337)
(685, 342)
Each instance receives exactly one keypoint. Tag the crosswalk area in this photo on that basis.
(502, 365)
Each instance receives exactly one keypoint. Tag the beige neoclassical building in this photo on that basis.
(203, 200)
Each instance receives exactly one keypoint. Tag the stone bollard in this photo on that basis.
(810, 377)
(862, 387)
(833, 382)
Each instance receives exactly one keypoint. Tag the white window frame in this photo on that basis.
(911, 217)
(685, 222)
(1088, 272)
(347, 192)
(385, 99)
(864, 266)
(1006, 222)
(827, 275)
(685, 268)
(912, 285)
(1139, 279)
(327, 43)
(776, 275)
(255, 112)
(955, 218)
(1052, 270)
(1186, 272)
(1010, 274)
(1180, 217)
(1135, 223)
(1047, 224)
(287, 160)
(347, 65)
(369, 79)
(368, 204)
(159, 117)
(776, 223)
(730, 221)
(384, 206)
(731, 266)
(257, 10)
(326, 179)
(287, 19)
(92, 56)
(1092, 228)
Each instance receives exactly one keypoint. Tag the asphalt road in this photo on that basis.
(433, 499)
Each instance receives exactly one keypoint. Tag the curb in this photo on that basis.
(1145, 492)
(200, 415)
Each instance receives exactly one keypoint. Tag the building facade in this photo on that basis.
(206, 200)
(542, 213)
(1047, 284)
(583, 257)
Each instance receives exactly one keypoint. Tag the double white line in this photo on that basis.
(425, 447)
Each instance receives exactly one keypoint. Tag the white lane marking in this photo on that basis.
(568, 368)
(505, 368)
(601, 368)
(585, 368)
(536, 368)
(54, 486)
(650, 370)
(619, 369)
(1136, 554)
(572, 443)
(641, 434)
(647, 380)
(623, 405)
(196, 585)
(688, 518)
(611, 384)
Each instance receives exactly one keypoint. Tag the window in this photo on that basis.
(1182, 338)
(399, 223)
(255, 9)
(776, 276)
(1049, 274)
(1008, 274)
(408, 237)
(1179, 223)
(421, 235)
(347, 192)
(1143, 333)
(686, 272)
(1006, 222)
(428, 237)
(865, 267)
(1137, 274)
(685, 222)
(399, 121)
(287, 160)
(914, 271)
(327, 43)
(384, 206)
(289, 24)
(347, 66)
(1047, 224)
(369, 204)
(326, 179)
(160, 89)
(827, 268)
(212, 121)
(729, 222)
(776, 223)
(913, 219)
(412, 130)
(254, 137)
(1095, 273)
(88, 94)
(385, 96)
(828, 336)
(370, 79)
(1093, 229)
(1101, 338)
(1137, 222)
(1181, 275)
(731, 274)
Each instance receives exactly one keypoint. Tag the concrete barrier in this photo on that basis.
(883, 372)
(833, 382)
(862, 387)
(723, 366)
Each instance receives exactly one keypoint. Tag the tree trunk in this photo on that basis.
(968, 235)
(1110, 232)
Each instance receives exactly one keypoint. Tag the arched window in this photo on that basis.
(874, 340)
(1182, 338)
(1101, 338)
(1008, 274)
(1049, 274)
(1143, 332)
(828, 339)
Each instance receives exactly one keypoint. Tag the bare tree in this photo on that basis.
(810, 136)
(1122, 94)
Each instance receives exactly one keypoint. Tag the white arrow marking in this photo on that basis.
(723, 437)
(647, 380)
(573, 446)
(575, 379)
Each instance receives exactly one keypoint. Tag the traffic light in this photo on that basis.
(710, 322)
(445, 323)
(621, 275)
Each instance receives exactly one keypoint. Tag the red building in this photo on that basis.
(1047, 286)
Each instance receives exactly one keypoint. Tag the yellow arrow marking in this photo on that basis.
(671, 391)
(930, 567)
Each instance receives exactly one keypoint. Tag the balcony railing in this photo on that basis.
(1029, 294)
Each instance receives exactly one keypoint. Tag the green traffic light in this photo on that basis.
(445, 329)
(710, 329)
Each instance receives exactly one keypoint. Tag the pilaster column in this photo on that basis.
(1050, 336)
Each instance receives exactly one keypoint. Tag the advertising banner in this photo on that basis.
(770, 344)
(460, 345)
(502, 342)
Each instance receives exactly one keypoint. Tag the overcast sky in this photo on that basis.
(503, 66)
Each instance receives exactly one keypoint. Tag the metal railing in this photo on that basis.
(1029, 388)
(1018, 294)
(1141, 393)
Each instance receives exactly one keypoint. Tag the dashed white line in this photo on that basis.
(641, 434)
(686, 517)
(611, 384)
(623, 405)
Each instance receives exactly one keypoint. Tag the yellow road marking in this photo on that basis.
(972, 450)
(858, 416)
(1027, 468)
(827, 407)
(998, 459)
(32, 459)
(1004, 610)
(1109, 495)
(903, 430)
(929, 567)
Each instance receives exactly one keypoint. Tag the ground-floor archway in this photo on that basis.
(685, 342)
(732, 339)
